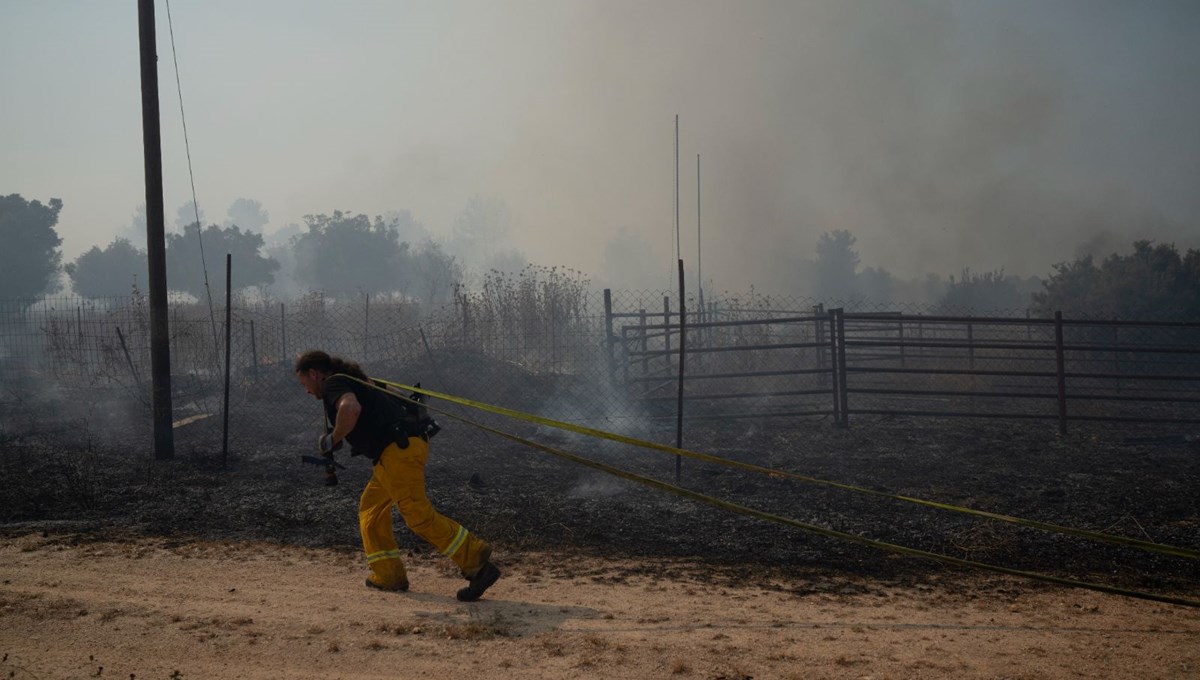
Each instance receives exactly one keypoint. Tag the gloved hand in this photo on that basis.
(326, 446)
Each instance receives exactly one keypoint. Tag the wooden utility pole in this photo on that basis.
(156, 250)
(228, 343)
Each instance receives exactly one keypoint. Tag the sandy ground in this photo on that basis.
(161, 609)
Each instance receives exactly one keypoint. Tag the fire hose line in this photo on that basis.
(782, 474)
(759, 514)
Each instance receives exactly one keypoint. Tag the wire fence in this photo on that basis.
(606, 358)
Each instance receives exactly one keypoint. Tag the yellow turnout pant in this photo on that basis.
(399, 480)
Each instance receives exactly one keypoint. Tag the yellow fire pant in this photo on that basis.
(399, 480)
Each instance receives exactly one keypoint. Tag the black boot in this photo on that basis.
(481, 581)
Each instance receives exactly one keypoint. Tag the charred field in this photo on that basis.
(1139, 484)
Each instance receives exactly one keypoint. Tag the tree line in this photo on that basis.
(334, 252)
(343, 251)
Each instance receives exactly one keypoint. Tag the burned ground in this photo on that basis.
(1097, 478)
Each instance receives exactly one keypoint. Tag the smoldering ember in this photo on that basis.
(828, 340)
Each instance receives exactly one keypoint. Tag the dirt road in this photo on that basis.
(152, 608)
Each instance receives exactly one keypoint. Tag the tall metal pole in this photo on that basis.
(699, 255)
(156, 250)
(699, 258)
(678, 252)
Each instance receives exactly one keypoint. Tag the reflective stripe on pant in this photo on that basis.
(399, 479)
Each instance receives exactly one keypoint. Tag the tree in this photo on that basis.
(989, 291)
(186, 216)
(508, 261)
(877, 285)
(278, 247)
(30, 259)
(836, 266)
(135, 231)
(436, 274)
(343, 252)
(1073, 286)
(248, 214)
(109, 272)
(185, 269)
(1152, 281)
(408, 228)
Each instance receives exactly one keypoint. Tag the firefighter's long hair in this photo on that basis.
(329, 365)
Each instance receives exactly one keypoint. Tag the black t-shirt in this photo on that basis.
(375, 428)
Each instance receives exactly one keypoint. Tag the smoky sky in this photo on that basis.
(943, 135)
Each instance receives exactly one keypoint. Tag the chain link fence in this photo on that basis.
(552, 346)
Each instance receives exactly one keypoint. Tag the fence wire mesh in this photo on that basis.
(606, 358)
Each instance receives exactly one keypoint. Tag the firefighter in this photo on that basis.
(379, 427)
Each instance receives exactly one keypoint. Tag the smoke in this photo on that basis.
(941, 135)
(598, 486)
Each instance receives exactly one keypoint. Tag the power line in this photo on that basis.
(192, 178)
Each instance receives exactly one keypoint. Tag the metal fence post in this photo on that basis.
(843, 392)
(551, 312)
(608, 335)
(644, 345)
(971, 345)
(819, 336)
(921, 341)
(667, 330)
(1062, 373)
(682, 357)
(253, 349)
(1116, 357)
(466, 318)
(366, 322)
(710, 333)
(283, 337)
(626, 362)
(129, 360)
(833, 382)
(972, 380)
(432, 361)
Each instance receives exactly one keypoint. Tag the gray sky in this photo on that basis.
(942, 134)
